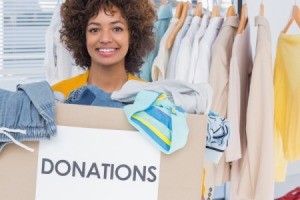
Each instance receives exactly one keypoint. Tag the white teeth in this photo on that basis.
(106, 50)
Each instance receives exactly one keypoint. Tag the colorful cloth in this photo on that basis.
(218, 132)
(163, 123)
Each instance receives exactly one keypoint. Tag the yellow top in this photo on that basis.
(287, 102)
(68, 85)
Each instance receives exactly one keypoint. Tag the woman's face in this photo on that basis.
(107, 39)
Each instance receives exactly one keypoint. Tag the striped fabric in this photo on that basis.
(163, 123)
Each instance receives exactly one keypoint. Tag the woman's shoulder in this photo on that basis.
(68, 85)
(133, 77)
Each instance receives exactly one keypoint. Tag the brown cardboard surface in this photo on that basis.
(180, 172)
(18, 171)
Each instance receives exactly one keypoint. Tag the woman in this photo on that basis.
(107, 38)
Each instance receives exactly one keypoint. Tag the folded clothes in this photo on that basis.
(94, 96)
(27, 114)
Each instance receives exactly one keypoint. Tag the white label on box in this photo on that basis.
(85, 163)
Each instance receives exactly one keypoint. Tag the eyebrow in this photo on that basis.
(114, 22)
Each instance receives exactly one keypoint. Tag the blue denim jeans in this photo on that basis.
(31, 109)
(92, 95)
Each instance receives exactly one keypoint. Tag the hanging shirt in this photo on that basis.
(171, 67)
(220, 62)
(239, 80)
(185, 51)
(162, 59)
(58, 62)
(50, 49)
(219, 80)
(195, 48)
(257, 176)
(164, 15)
(204, 55)
(287, 102)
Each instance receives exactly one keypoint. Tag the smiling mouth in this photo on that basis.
(107, 50)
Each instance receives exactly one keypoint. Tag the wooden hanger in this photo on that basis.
(185, 9)
(243, 20)
(230, 11)
(163, 2)
(215, 11)
(198, 10)
(178, 10)
(295, 17)
(261, 9)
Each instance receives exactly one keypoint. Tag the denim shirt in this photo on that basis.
(94, 96)
(29, 110)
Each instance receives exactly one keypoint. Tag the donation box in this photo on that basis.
(97, 154)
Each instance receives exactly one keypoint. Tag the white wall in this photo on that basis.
(278, 13)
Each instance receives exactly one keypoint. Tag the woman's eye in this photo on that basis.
(118, 29)
(93, 30)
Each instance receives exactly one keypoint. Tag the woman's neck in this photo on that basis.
(107, 79)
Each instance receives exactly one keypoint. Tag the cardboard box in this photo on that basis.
(180, 174)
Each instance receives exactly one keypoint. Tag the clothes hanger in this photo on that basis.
(179, 10)
(261, 9)
(198, 9)
(215, 11)
(184, 13)
(231, 10)
(295, 17)
(243, 20)
(163, 2)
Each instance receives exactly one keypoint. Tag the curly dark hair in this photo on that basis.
(139, 14)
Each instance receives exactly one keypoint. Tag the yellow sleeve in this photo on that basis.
(68, 85)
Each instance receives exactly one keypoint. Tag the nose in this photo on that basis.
(105, 36)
